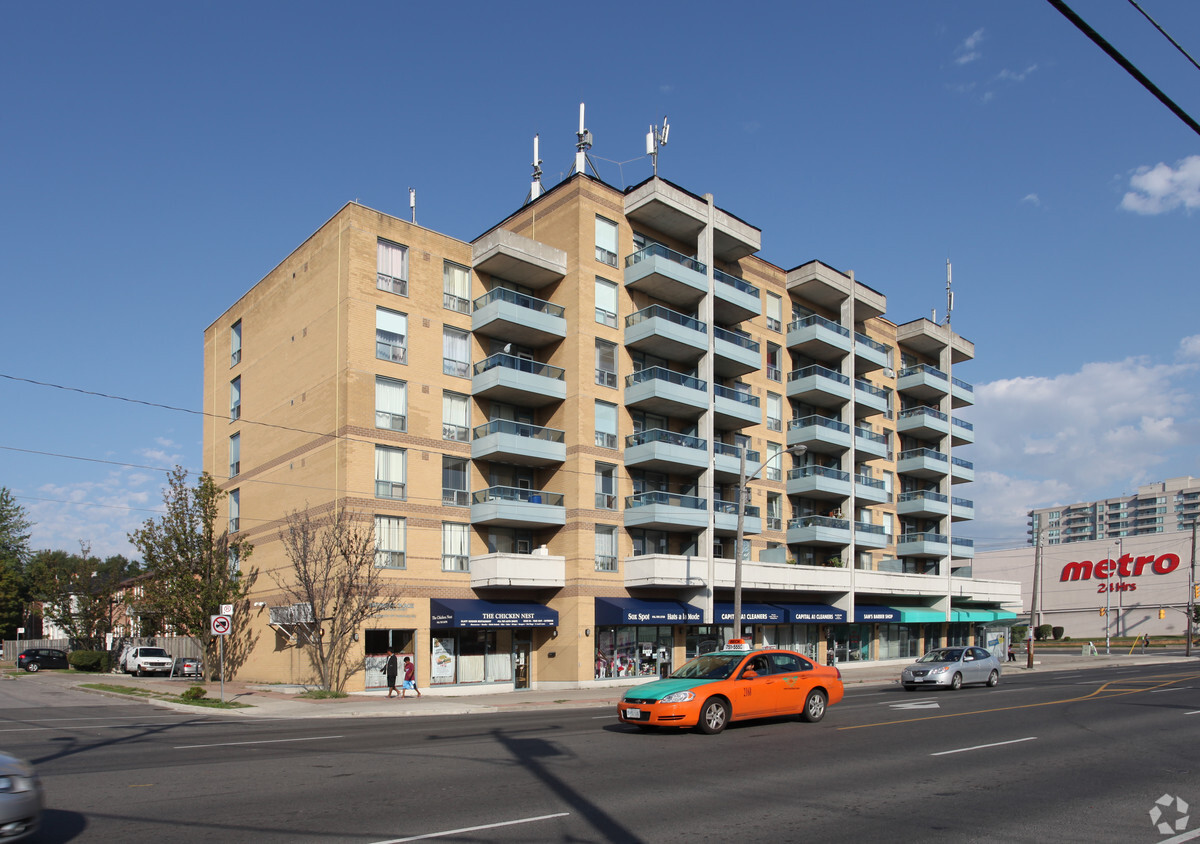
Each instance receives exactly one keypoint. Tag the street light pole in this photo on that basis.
(796, 450)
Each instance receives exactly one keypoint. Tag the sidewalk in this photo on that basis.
(266, 701)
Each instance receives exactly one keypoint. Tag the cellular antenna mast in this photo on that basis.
(949, 294)
(412, 203)
(535, 189)
(583, 145)
(656, 138)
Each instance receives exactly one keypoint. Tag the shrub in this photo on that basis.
(194, 693)
(1044, 631)
(1058, 633)
(90, 660)
(1019, 632)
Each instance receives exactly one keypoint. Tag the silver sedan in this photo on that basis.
(951, 667)
(20, 799)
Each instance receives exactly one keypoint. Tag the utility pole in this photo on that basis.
(1033, 602)
(1191, 603)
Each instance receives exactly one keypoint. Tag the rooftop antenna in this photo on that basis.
(583, 145)
(535, 189)
(412, 203)
(656, 138)
(949, 294)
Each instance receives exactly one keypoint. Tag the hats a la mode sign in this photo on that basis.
(1126, 566)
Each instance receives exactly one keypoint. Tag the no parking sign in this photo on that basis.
(220, 625)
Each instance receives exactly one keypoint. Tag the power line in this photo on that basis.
(1165, 34)
(1116, 56)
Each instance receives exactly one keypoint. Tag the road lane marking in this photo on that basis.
(264, 741)
(917, 704)
(917, 700)
(984, 746)
(447, 832)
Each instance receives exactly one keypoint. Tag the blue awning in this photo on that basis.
(612, 611)
(812, 614)
(473, 612)
(751, 614)
(868, 614)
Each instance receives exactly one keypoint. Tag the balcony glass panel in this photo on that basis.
(736, 283)
(512, 493)
(658, 373)
(813, 319)
(659, 312)
(736, 339)
(521, 300)
(820, 371)
(645, 499)
(520, 429)
(736, 395)
(658, 435)
(660, 251)
(533, 367)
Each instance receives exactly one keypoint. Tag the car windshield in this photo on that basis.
(943, 655)
(153, 652)
(709, 667)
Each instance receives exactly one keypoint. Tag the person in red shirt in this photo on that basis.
(410, 678)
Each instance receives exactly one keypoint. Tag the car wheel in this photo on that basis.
(910, 688)
(956, 682)
(814, 707)
(714, 715)
(137, 672)
(32, 667)
(993, 678)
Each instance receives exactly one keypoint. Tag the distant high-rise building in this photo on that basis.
(1161, 507)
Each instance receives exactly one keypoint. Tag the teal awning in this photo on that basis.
(972, 615)
(921, 616)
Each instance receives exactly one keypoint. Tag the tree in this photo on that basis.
(334, 576)
(14, 554)
(78, 591)
(193, 569)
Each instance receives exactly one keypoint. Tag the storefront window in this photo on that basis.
(801, 638)
(958, 635)
(376, 644)
(471, 656)
(629, 651)
(851, 642)
(899, 641)
(704, 640)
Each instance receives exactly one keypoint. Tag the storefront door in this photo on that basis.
(522, 663)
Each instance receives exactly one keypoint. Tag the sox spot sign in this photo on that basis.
(220, 625)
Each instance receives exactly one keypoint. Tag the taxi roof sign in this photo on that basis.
(737, 645)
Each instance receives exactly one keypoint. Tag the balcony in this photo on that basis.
(870, 490)
(665, 208)
(818, 482)
(527, 571)
(930, 339)
(667, 334)
(818, 386)
(509, 506)
(734, 300)
(961, 471)
(518, 381)
(821, 434)
(824, 531)
(963, 549)
(869, 537)
(819, 338)
(962, 433)
(667, 393)
(668, 275)
(829, 288)
(725, 518)
(657, 450)
(666, 511)
(923, 463)
(870, 444)
(923, 504)
(734, 354)
(727, 462)
(962, 394)
(518, 443)
(924, 423)
(923, 382)
(522, 319)
(923, 545)
(733, 409)
(962, 509)
(869, 355)
(504, 254)
(869, 400)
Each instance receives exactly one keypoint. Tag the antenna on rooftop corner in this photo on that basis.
(412, 203)
(949, 294)
(582, 146)
(655, 139)
(535, 189)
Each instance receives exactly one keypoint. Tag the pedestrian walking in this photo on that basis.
(410, 678)
(389, 668)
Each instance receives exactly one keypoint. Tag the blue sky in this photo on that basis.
(161, 158)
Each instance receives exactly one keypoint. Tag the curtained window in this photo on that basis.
(391, 404)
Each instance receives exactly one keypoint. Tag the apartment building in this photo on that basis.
(556, 492)
(1162, 507)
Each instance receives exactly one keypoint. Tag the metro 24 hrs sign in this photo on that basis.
(1125, 566)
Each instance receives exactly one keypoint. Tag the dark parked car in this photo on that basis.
(35, 659)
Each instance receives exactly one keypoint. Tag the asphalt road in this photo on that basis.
(1068, 756)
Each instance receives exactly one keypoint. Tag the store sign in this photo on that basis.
(1127, 566)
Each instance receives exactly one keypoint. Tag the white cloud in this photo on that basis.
(1159, 189)
(1016, 76)
(966, 52)
(1032, 199)
(1077, 436)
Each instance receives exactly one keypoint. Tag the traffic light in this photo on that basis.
(1162, 613)
(1104, 611)
(1196, 591)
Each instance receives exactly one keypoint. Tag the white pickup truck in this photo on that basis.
(146, 660)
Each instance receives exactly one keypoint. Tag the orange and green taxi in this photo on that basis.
(734, 685)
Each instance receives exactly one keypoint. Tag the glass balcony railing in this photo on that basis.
(659, 312)
(720, 505)
(813, 319)
(658, 435)
(962, 385)
(965, 464)
(871, 389)
(820, 422)
(532, 367)
(734, 451)
(657, 250)
(819, 371)
(922, 495)
(870, 483)
(819, 521)
(520, 494)
(672, 499)
(921, 412)
(736, 395)
(817, 472)
(521, 300)
(659, 373)
(736, 283)
(871, 436)
(870, 344)
(927, 453)
(922, 367)
(520, 429)
(736, 339)
(966, 426)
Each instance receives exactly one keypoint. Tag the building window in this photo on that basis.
(235, 455)
(391, 335)
(455, 492)
(606, 548)
(606, 424)
(391, 404)
(456, 288)
(456, 547)
(774, 470)
(456, 417)
(235, 399)
(774, 511)
(389, 472)
(456, 352)
(235, 343)
(774, 412)
(391, 267)
(649, 542)
(606, 363)
(235, 510)
(606, 302)
(774, 362)
(774, 312)
(606, 241)
(390, 542)
(606, 486)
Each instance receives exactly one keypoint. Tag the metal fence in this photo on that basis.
(174, 645)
